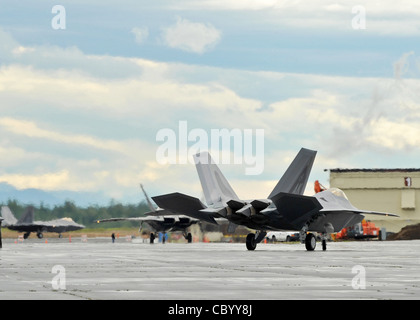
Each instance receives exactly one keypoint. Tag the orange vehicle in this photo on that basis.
(363, 230)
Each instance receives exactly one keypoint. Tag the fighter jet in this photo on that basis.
(27, 224)
(285, 209)
(160, 220)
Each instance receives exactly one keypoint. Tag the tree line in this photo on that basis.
(83, 215)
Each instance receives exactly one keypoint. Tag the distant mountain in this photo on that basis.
(50, 198)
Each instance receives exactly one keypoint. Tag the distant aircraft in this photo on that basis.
(285, 209)
(27, 224)
(161, 220)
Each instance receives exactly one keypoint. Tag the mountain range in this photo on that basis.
(50, 198)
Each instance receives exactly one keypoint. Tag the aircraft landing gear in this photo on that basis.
(324, 245)
(188, 236)
(309, 239)
(250, 241)
(310, 242)
(152, 238)
(324, 241)
(253, 239)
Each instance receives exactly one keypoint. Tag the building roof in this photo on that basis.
(375, 170)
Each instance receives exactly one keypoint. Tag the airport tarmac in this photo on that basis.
(98, 269)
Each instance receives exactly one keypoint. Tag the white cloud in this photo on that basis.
(30, 129)
(48, 181)
(383, 17)
(337, 115)
(191, 36)
(140, 34)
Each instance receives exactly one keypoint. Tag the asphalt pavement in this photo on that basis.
(99, 269)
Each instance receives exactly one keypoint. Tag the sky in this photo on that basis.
(87, 89)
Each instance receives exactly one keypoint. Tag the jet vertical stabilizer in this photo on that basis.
(149, 203)
(9, 218)
(216, 188)
(295, 178)
(27, 217)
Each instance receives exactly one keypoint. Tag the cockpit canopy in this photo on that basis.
(338, 192)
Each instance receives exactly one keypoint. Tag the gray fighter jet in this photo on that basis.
(27, 224)
(285, 209)
(160, 220)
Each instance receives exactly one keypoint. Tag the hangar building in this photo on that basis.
(385, 190)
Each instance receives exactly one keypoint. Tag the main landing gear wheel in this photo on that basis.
(251, 244)
(310, 242)
(189, 237)
(152, 238)
(324, 244)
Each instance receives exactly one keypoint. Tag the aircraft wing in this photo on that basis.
(320, 212)
(183, 204)
(161, 212)
(143, 219)
(361, 212)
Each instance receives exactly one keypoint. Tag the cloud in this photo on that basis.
(191, 36)
(140, 34)
(30, 129)
(73, 124)
(48, 181)
(386, 17)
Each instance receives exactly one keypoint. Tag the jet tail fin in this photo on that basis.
(9, 218)
(28, 216)
(216, 188)
(149, 203)
(295, 178)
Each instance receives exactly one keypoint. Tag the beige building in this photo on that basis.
(385, 190)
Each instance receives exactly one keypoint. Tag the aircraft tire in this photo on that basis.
(189, 237)
(310, 242)
(152, 238)
(39, 235)
(324, 245)
(250, 242)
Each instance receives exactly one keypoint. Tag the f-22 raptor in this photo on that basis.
(160, 220)
(285, 209)
(27, 224)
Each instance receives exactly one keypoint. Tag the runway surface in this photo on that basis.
(98, 269)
